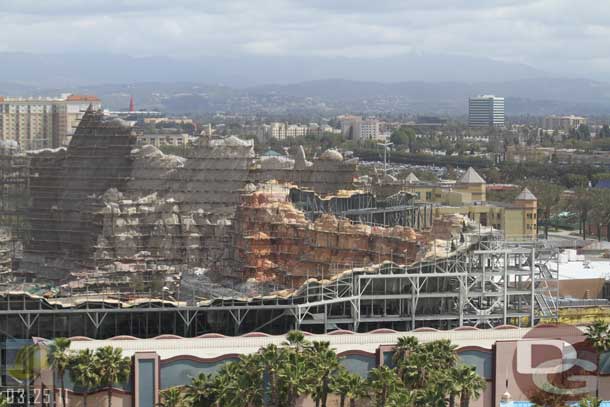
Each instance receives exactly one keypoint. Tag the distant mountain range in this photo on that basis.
(93, 69)
(408, 84)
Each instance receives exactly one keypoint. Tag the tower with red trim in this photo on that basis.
(132, 107)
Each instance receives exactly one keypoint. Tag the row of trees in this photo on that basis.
(421, 374)
(88, 370)
(428, 374)
(591, 206)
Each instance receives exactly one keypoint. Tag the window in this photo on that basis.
(428, 196)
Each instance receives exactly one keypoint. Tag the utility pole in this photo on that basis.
(385, 155)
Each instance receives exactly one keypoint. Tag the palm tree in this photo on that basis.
(382, 382)
(402, 398)
(339, 385)
(598, 336)
(294, 378)
(251, 379)
(357, 389)
(202, 391)
(471, 384)
(83, 370)
(589, 402)
(229, 384)
(324, 363)
(113, 368)
(59, 359)
(272, 358)
(171, 397)
(453, 385)
(404, 347)
(296, 339)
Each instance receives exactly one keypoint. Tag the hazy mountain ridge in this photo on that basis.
(244, 71)
(536, 93)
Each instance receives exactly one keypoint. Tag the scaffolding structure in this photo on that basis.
(103, 211)
(484, 282)
(364, 207)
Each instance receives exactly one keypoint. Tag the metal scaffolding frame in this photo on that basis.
(484, 283)
(364, 207)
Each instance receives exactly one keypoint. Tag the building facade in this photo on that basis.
(467, 196)
(486, 111)
(356, 128)
(36, 123)
(504, 357)
(563, 122)
(158, 140)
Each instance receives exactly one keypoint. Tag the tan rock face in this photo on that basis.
(275, 242)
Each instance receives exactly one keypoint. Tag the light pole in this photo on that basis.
(506, 400)
(385, 155)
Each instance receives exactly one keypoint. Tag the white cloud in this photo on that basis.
(552, 34)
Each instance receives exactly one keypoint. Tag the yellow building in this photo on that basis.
(467, 196)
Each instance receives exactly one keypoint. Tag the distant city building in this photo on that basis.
(158, 140)
(356, 128)
(430, 121)
(296, 130)
(168, 120)
(42, 122)
(369, 129)
(486, 111)
(563, 122)
(281, 131)
(350, 126)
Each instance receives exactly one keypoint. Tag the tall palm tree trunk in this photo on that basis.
(85, 396)
(324, 391)
(599, 360)
(465, 400)
(352, 403)
(342, 401)
(274, 396)
(62, 389)
(109, 395)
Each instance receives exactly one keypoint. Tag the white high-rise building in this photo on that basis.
(42, 122)
(486, 111)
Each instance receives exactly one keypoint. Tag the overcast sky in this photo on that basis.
(563, 36)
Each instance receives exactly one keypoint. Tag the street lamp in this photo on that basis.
(506, 400)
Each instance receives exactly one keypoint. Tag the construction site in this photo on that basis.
(108, 238)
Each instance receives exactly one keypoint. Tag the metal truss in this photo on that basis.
(489, 284)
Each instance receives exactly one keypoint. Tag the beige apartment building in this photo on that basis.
(563, 122)
(356, 128)
(36, 123)
(163, 139)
